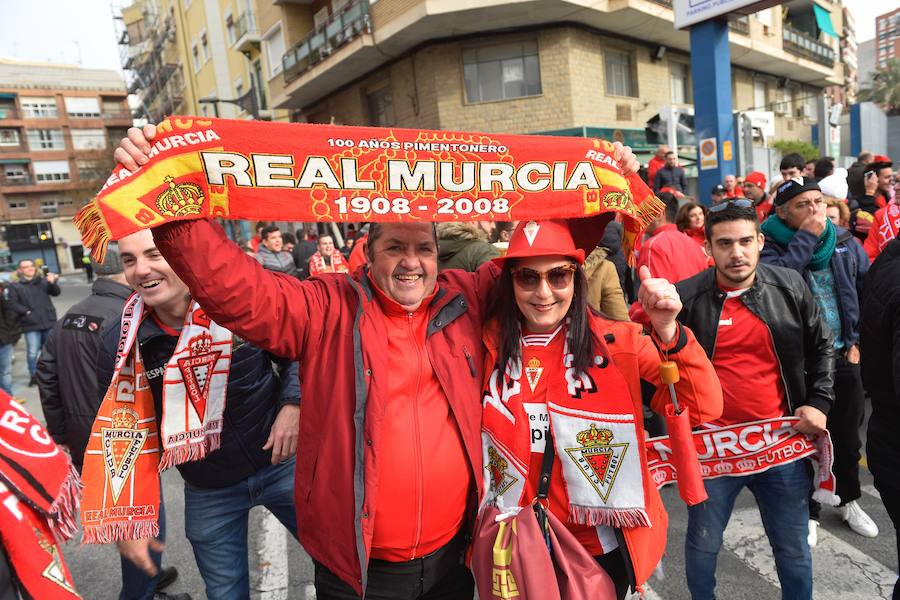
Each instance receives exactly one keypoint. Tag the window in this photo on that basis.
(812, 106)
(114, 108)
(238, 87)
(229, 29)
(48, 171)
(17, 203)
(204, 46)
(273, 42)
(88, 139)
(338, 5)
(90, 170)
(789, 100)
(195, 56)
(46, 139)
(321, 17)
(380, 104)
(16, 174)
(680, 78)
(619, 73)
(256, 81)
(82, 108)
(49, 207)
(759, 94)
(9, 137)
(502, 72)
(39, 108)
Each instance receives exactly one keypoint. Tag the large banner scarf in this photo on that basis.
(747, 449)
(39, 495)
(260, 170)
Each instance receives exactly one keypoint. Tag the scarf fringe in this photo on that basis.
(826, 497)
(188, 453)
(120, 531)
(648, 210)
(618, 518)
(64, 509)
(94, 232)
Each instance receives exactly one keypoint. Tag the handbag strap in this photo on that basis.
(546, 467)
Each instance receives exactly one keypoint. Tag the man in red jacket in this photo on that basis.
(390, 437)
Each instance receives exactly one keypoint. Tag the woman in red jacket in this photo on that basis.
(559, 371)
(691, 220)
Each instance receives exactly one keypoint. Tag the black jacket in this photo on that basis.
(303, 251)
(10, 325)
(256, 391)
(672, 177)
(880, 356)
(780, 298)
(67, 370)
(849, 265)
(31, 301)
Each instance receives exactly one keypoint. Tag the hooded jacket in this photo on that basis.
(463, 246)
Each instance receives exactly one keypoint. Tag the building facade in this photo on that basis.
(58, 126)
(887, 38)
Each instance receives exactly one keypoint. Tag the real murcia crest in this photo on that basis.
(54, 571)
(533, 373)
(197, 370)
(497, 466)
(531, 230)
(598, 458)
(180, 199)
(122, 444)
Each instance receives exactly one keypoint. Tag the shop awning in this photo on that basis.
(823, 20)
(14, 161)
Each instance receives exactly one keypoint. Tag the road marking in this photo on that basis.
(840, 570)
(271, 575)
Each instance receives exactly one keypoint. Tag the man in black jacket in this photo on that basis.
(774, 356)
(833, 264)
(31, 301)
(10, 332)
(879, 347)
(254, 464)
(670, 175)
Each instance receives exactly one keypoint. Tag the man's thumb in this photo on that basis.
(644, 273)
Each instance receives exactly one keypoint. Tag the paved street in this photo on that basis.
(846, 565)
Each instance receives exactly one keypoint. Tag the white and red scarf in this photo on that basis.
(338, 264)
(889, 226)
(125, 453)
(39, 495)
(595, 435)
(747, 449)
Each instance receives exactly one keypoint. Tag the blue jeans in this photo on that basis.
(34, 341)
(137, 585)
(216, 520)
(6, 354)
(781, 493)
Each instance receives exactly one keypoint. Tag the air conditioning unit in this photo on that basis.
(780, 108)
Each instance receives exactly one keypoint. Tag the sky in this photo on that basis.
(82, 31)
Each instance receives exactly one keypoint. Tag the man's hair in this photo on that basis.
(288, 238)
(377, 229)
(671, 203)
(865, 156)
(792, 161)
(824, 167)
(730, 213)
(268, 229)
(323, 236)
(670, 153)
(24, 260)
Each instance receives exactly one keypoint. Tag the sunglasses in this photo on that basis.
(558, 278)
(741, 203)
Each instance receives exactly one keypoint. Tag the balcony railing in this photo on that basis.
(17, 147)
(740, 25)
(798, 43)
(246, 32)
(666, 3)
(16, 179)
(340, 29)
(8, 112)
(117, 114)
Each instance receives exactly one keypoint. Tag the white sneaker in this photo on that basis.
(858, 520)
(812, 538)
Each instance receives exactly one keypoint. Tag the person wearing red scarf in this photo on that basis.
(558, 372)
(690, 220)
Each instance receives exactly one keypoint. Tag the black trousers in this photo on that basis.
(440, 575)
(844, 421)
(614, 565)
(888, 486)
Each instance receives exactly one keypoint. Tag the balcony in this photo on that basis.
(740, 25)
(246, 32)
(340, 29)
(15, 180)
(804, 46)
(8, 113)
(117, 115)
(13, 147)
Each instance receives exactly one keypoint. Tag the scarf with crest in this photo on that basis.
(126, 453)
(595, 434)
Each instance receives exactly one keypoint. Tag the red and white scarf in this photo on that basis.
(889, 226)
(39, 495)
(317, 264)
(123, 459)
(595, 434)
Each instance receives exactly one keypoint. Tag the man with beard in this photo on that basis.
(774, 356)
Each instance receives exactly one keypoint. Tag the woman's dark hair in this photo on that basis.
(502, 307)
(683, 218)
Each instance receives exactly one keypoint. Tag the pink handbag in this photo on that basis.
(532, 556)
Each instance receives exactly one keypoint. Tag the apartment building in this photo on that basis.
(58, 125)
(887, 38)
(521, 66)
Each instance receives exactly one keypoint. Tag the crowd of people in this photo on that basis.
(443, 370)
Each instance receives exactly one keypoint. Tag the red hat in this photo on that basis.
(757, 178)
(542, 238)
